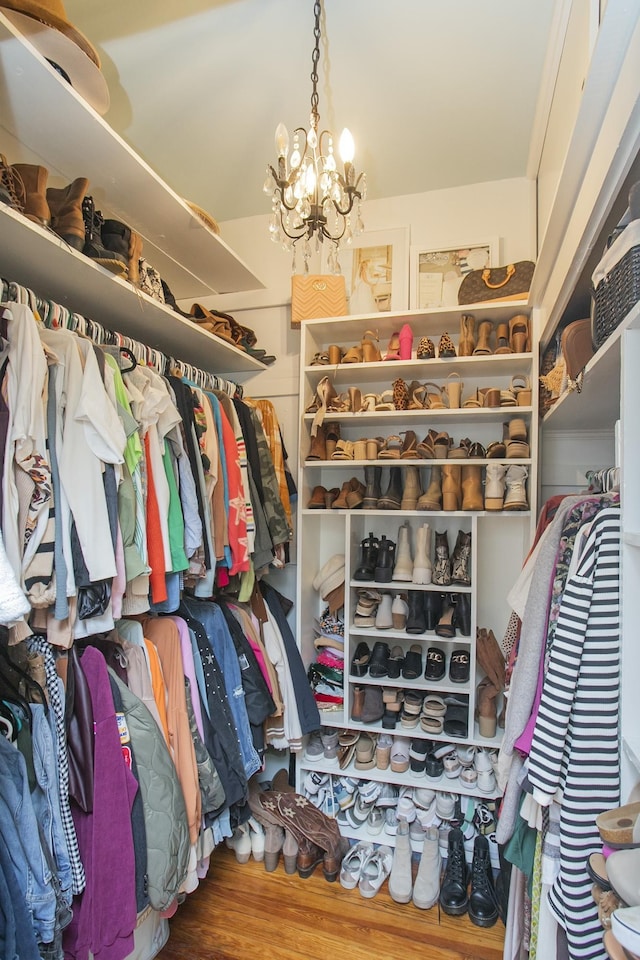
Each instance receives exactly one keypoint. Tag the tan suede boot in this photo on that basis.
(451, 487)
(34, 181)
(65, 204)
(472, 498)
(490, 657)
(431, 499)
(485, 329)
(467, 335)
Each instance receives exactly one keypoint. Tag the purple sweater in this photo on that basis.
(104, 915)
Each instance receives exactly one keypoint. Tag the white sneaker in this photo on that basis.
(625, 926)
(375, 871)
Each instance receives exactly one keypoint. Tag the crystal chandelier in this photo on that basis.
(311, 198)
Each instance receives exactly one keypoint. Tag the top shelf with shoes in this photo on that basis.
(51, 125)
(350, 332)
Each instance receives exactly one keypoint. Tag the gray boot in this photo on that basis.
(427, 886)
(400, 877)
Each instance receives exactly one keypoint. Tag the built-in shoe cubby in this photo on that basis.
(414, 474)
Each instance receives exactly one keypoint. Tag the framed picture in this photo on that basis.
(376, 271)
(436, 275)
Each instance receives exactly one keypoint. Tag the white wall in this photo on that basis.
(504, 209)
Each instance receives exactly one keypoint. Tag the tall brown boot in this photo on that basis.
(467, 335)
(34, 181)
(431, 499)
(485, 329)
(451, 487)
(65, 204)
(472, 498)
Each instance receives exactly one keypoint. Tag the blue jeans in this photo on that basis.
(19, 829)
(46, 797)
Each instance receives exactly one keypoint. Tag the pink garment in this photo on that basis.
(189, 670)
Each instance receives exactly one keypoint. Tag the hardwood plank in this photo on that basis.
(241, 912)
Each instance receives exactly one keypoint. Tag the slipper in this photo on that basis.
(365, 752)
(412, 668)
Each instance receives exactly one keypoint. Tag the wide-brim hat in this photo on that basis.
(330, 575)
(46, 26)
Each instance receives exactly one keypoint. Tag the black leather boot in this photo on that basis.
(93, 243)
(392, 497)
(461, 560)
(483, 902)
(442, 566)
(453, 892)
(368, 559)
(416, 622)
(462, 613)
(386, 560)
(432, 608)
(372, 494)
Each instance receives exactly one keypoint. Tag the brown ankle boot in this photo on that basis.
(467, 335)
(34, 181)
(485, 329)
(431, 499)
(65, 204)
(318, 448)
(451, 486)
(486, 695)
(472, 498)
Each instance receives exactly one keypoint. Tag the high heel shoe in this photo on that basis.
(426, 349)
(519, 334)
(446, 347)
(370, 347)
(393, 350)
(406, 342)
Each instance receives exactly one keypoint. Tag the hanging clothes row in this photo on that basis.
(559, 760)
(122, 485)
(136, 766)
(54, 316)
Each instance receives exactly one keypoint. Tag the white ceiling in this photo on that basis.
(437, 93)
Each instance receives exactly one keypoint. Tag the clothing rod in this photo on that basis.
(54, 315)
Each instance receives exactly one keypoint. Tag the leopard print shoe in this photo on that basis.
(400, 394)
(426, 349)
(446, 347)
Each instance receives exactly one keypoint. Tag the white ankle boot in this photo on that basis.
(404, 564)
(400, 883)
(427, 886)
(422, 565)
(384, 617)
(494, 486)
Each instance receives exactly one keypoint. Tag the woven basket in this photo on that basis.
(616, 284)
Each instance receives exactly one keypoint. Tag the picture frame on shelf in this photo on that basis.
(437, 272)
(376, 270)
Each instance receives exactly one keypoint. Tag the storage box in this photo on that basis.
(616, 283)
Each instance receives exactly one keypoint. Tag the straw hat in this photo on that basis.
(46, 26)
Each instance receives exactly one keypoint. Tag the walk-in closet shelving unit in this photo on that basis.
(44, 121)
(602, 162)
(499, 539)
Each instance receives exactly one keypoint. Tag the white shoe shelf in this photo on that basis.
(499, 538)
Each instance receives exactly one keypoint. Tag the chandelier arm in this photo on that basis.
(352, 194)
(330, 236)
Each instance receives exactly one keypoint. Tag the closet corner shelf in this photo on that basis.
(631, 749)
(59, 130)
(597, 405)
(73, 280)
(631, 539)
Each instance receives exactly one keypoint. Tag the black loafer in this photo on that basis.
(435, 666)
(459, 666)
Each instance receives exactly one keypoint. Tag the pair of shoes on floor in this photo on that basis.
(366, 868)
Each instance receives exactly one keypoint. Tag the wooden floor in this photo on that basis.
(240, 912)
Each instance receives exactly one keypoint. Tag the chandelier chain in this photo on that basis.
(315, 58)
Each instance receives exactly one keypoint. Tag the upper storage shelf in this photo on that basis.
(55, 127)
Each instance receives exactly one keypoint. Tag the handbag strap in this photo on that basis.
(495, 286)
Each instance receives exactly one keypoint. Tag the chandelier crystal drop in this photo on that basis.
(311, 199)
